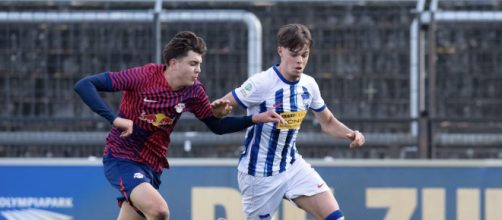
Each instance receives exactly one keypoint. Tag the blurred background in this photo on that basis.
(421, 78)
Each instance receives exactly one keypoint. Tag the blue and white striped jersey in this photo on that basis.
(270, 147)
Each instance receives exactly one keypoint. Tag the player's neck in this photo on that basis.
(172, 81)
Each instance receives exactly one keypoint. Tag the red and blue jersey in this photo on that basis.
(152, 105)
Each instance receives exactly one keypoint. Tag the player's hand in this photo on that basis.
(268, 116)
(221, 108)
(125, 125)
(357, 139)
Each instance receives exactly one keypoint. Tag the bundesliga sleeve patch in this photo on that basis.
(293, 119)
(246, 89)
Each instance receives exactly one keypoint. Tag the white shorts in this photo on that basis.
(261, 196)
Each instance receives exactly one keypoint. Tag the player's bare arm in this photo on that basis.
(332, 126)
(230, 98)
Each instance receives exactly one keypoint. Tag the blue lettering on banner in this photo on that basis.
(413, 192)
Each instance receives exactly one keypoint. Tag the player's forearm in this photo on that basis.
(228, 124)
(336, 129)
(231, 98)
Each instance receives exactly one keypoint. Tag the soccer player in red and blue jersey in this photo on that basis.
(154, 97)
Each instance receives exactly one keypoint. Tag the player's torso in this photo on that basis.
(272, 146)
(154, 108)
(291, 100)
(148, 99)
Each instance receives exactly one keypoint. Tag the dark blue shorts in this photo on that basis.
(125, 174)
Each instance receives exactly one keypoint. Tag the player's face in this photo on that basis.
(188, 68)
(293, 62)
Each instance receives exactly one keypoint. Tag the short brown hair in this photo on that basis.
(294, 37)
(181, 43)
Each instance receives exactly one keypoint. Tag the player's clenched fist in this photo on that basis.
(357, 139)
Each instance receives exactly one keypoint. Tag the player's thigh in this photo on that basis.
(319, 205)
(261, 196)
(303, 180)
(147, 199)
(127, 212)
(309, 191)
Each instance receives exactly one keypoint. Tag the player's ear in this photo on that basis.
(280, 50)
(172, 62)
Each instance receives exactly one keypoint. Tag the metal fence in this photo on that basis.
(361, 60)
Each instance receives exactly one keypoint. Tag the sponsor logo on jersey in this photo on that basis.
(156, 120)
(149, 100)
(293, 119)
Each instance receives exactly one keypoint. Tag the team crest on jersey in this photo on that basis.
(306, 99)
(156, 120)
(179, 107)
(306, 103)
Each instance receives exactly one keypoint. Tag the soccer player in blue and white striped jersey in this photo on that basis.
(270, 168)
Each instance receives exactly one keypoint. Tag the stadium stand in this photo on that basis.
(360, 59)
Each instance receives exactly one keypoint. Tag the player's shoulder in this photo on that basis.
(307, 79)
(144, 70)
(265, 77)
(197, 87)
(152, 68)
(262, 75)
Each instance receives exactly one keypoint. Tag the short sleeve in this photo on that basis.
(318, 103)
(251, 91)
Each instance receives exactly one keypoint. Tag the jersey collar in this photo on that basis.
(279, 74)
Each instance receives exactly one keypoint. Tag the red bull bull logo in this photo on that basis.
(156, 119)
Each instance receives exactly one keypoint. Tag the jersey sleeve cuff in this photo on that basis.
(319, 109)
(237, 99)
